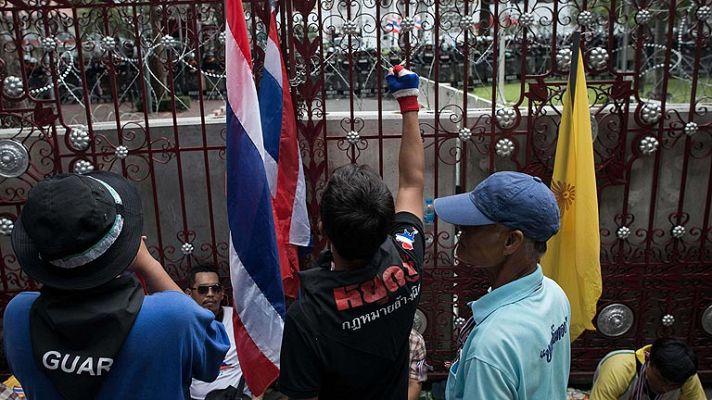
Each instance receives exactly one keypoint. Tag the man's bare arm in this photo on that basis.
(411, 168)
(156, 278)
(403, 84)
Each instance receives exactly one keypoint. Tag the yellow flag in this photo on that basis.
(573, 255)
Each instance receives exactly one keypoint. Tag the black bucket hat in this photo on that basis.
(79, 231)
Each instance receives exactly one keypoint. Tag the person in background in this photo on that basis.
(417, 368)
(665, 370)
(205, 288)
(90, 333)
(519, 347)
(10, 389)
(8, 392)
(346, 335)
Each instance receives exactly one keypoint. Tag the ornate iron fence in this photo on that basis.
(137, 87)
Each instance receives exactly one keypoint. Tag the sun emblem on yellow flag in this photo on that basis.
(565, 194)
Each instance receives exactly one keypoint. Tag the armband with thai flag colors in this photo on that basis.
(403, 84)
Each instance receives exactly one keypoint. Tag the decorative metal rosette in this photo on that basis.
(14, 158)
(648, 145)
(12, 86)
(668, 320)
(585, 18)
(598, 58)
(108, 43)
(464, 134)
(169, 41)
(408, 24)
(504, 147)
(467, 22)
(707, 320)
(353, 137)
(79, 138)
(221, 37)
(350, 28)
(420, 321)
(186, 248)
(563, 59)
(459, 322)
(485, 39)
(703, 13)
(526, 20)
(121, 152)
(643, 16)
(691, 128)
(651, 113)
(623, 232)
(83, 167)
(6, 226)
(505, 117)
(678, 231)
(48, 43)
(615, 320)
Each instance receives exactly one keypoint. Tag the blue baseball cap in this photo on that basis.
(513, 199)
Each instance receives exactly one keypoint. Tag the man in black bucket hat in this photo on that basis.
(90, 333)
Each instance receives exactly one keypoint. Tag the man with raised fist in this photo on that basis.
(346, 336)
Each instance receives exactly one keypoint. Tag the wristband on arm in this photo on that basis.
(403, 84)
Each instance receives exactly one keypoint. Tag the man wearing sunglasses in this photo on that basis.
(519, 347)
(205, 288)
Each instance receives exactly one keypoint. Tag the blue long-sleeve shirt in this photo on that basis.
(172, 340)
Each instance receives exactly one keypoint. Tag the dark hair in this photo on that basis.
(674, 359)
(200, 269)
(356, 211)
(540, 247)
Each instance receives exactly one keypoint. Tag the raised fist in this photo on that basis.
(403, 84)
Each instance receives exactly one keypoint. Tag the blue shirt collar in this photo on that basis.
(507, 294)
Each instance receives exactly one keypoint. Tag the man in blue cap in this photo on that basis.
(519, 347)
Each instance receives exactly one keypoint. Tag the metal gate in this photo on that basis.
(137, 87)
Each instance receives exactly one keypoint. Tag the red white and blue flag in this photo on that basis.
(393, 23)
(254, 263)
(283, 161)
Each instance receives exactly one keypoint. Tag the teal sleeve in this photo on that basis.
(484, 381)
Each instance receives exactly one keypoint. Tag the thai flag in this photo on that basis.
(254, 263)
(283, 161)
(19, 392)
(417, 22)
(393, 24)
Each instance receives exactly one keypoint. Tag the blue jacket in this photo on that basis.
(172, 340)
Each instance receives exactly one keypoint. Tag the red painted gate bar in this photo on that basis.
(138, 87)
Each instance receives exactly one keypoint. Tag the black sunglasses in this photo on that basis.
(203, 289)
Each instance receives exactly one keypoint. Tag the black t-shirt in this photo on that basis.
(346, 336)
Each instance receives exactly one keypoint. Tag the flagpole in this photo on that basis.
(573, 69)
